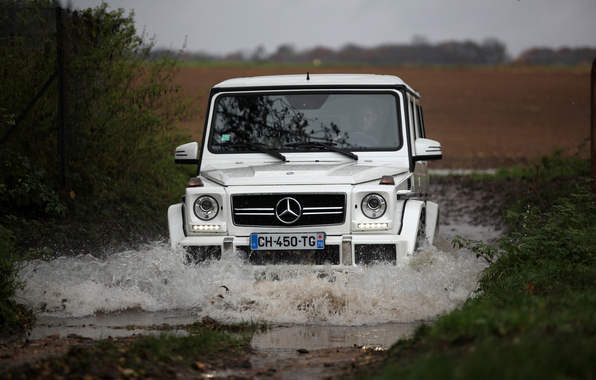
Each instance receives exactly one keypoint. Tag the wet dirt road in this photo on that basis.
(132, 293)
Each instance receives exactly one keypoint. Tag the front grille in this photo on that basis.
(268, 209)
(327, 256)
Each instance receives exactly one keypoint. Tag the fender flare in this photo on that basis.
(411, 223)
(176, 224)
(432, 221)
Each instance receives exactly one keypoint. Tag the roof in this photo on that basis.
(314, 80)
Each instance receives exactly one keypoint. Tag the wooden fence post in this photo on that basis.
(61, 99)
(593, 124)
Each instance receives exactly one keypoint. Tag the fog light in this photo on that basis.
(202, 227)
(373, 225)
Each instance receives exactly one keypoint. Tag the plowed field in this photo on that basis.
(484, 118)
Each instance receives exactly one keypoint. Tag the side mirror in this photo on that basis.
(427, 150)
(187, 154)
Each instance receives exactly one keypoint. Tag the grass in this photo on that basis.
(535, 314)
(14, 317)
(526, 337)
(529, 357)
(207, 346)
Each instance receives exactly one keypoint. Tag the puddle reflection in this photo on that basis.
(289, 339)
(276, 340)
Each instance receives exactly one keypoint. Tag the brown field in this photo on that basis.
(484, 118)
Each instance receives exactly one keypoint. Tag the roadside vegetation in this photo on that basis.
(14, 317)
(207, 346)
(534, 314)
(120, 110)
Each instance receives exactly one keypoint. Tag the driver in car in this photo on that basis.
(363, 119)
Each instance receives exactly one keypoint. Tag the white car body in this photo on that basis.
(312, 192)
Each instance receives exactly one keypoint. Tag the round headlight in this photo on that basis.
(206, 207)
(374, 206)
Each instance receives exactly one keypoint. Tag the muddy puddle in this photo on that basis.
(141, 291)
(278, 340)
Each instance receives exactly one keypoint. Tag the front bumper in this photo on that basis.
(340, 251)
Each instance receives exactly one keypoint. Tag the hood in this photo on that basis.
(300, 174)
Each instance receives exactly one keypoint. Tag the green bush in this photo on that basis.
(121, 114)
(14, 317)
(29, 187)
(533, 314)
(550, 251)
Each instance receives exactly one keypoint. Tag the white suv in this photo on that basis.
(321, 170)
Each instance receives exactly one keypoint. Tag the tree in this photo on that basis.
(121, 115)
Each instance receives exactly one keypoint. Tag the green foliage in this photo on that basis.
(129, 131)
(567, 231)
(121, 116)
(7, 120)
(529, 357)
(551, 246)
(13, 316)
(245, 328)
(523, 313)
(482, 250)
(160, 356)
(121, 112)
(547, 168)
(524, 336)
(557, 247)
(533, 316)
(26, 186)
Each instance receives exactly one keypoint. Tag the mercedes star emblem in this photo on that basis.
(288, 210)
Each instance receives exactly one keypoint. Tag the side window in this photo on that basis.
(412, 119)
(420, 120)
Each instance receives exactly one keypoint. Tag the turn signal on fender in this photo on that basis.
(195, 182)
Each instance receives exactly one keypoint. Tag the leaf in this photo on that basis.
(529, 288)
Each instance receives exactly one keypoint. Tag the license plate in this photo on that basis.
(287, 241)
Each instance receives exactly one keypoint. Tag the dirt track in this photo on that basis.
(484, 118)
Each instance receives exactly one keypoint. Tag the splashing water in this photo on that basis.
(155, 279)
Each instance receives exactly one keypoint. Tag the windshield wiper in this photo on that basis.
(261, 149)
(323, 145)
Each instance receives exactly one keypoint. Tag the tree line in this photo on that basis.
(563, 56)
(417, 53)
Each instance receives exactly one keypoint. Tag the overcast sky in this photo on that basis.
(225, 26)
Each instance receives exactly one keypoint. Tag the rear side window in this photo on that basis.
(420, 120)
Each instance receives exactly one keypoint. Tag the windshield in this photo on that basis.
(297, 121)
